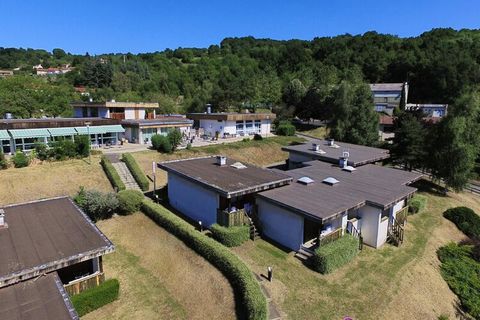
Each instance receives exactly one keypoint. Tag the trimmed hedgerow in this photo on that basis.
(335, 254)
(112, 174)
(136, 171)
(241, 278)
(465, 219)
(417, 204)
(129, 201)
(285, 128)
(97, 297)
(231, 236)
(462, 274)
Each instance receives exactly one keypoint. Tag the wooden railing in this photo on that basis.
(395, 231)
(332, 236)
(83, 284)
(401, 215)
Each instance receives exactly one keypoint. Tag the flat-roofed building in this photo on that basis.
(115, 110)
(430, 110)
(224, 125)
(333, 151)
(54, 242)
(142, 130)
(387, 96)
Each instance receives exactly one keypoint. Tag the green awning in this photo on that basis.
(100, 129)
(4, 135)
(115, 128)
(29, 133)
(58, 132)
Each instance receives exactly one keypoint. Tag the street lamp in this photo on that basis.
(88, 123)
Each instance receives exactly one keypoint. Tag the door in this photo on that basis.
(311, 229)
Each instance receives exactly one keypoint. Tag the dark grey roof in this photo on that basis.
(46, 235)
(226, 179)
(164, 121)
(370, 184)
(386, 86)
(359, 155)
(42, 298)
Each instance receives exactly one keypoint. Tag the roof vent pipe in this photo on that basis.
(2, 219)
(221, 160)
(343, 162)
(209, 108)
(331, 142)
(315, 147)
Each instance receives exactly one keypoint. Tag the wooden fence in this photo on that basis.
(83, 284)
(332, 236)
(230, 219)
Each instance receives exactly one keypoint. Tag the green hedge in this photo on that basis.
(335, 254)
(136, 171)
(285, 128)
(241, 278)
(112, 174)
(129, 201)
(417, 203)
(97, 297)
(231, 236)
(462, 273)
(465, 219)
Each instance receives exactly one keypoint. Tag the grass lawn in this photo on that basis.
(50, 179)
(261, 153)
(160, 277)
(316, 132)
(391, 282)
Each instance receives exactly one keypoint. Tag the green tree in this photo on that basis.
(294, 92)
(175, 138)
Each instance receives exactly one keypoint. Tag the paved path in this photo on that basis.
(126, 176)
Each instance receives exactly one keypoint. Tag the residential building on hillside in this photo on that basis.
(431, 110)
(115, 110)
(40, 71)
(386, 127)
(330, 151)
(23, 134)
(50, 249)
(6, 73)
(142, 130)
(387, 96)
(225, 125)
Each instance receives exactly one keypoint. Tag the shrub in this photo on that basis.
(41, 150)
(82, 145)
(129, 201)
(3, 161)
(94, 298)
(241, 278)
(161, 143)
(175, 138)
(97, 205)
(465, 219)
(231, 236)
(136, 171)
(112, 174)
(417, 203)
(20, 160)
(335, 254)
(462, 274)
(189, 146)
(285, 128)
(257, 137)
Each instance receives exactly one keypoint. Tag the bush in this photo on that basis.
(41, 150)
(82, 145)
(97, 205)
(3, 161)
(96, 297)
(257, 137)
(20, 160)
(161, 143)
(231, 236)
(189, 146)
(335, 254)
(462, 274)
(417, 204)
(175, 138)
(465, 219)
(285, 128)
(63, 149)
(136, 171)
(129, 201)
(112, 174)
(244, 283)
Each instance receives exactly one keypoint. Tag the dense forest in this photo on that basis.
(250, 73)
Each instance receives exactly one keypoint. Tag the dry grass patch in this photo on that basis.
(318, 132)
(50, 179)
(391, 282)
(160, 277)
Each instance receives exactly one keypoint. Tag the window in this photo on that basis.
(93, 112)
(258, 125)
(380, 107)
(240, 127)
(5, 146)
(249, 126)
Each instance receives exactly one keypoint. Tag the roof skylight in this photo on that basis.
(330, 181)
(238, 165)
(305, 180)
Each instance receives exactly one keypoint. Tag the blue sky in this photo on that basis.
(105, 26)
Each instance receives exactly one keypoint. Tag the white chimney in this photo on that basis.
(331, 142)
(2, 219)
(221, 160)
(315, 147)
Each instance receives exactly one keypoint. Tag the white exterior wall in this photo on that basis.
(211, 126)
(130, 113)
(382, 232)
(281, 225)
(399, 206)
(230, 127)
(192, 200)
(370, 224)
(265, 127)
